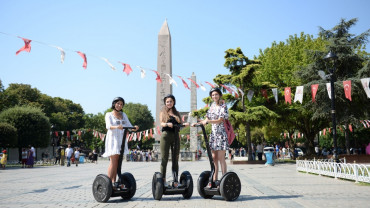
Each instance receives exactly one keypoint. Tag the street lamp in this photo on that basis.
(330, 59)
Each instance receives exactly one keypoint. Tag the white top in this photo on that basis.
(69, 152)
(113, 140)
(77, 154)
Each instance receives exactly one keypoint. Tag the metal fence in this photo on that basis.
(349, 171)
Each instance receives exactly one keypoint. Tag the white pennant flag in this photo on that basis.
(62, 53)
(365, 84)
(298, 94)
(139, 136)
(274, 91)
(250, 95)
(146, 133)
(329, 89)
(154, 132)
(62, 132)
(172, 81)
(142, 72)
(202, 87)
(106, 60)
(241, 91)
(134, 137)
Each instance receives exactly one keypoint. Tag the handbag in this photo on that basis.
(229, 131)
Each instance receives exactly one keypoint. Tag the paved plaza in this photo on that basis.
(262, 186)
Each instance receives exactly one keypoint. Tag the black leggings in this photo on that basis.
(167, 142)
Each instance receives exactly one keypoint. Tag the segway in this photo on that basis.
(184, 187)
(229, 187)
(102, 187)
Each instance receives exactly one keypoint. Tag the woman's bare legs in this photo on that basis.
(112, 168)
(219, 156)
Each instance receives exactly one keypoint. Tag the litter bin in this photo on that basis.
(269, 155)
(82, 159)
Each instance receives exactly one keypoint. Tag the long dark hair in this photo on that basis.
(165, 110)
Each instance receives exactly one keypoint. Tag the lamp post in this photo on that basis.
(330, 59)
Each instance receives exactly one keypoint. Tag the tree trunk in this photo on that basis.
(347, 137)
(249, 146)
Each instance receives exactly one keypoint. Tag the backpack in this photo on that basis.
(229, 131)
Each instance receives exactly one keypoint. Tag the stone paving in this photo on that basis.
(262, 186)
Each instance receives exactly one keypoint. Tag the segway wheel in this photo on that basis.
(157, 186)
(130, 183)
(187, 180)
(102, 188)
(202, 183)
(230, 186)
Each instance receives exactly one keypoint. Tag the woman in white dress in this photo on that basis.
(218, 141)
(114, 122)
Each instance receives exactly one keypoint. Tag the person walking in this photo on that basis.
(114, 122)
(169, 117)
(218, 140)
(24, 157)
(57, 156)
(4, 159)
(77, 156)
(68, 153)
(30, 158)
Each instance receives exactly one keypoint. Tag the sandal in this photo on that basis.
(217, 183)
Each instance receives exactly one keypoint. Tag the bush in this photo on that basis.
(8, 135)
(33, 127)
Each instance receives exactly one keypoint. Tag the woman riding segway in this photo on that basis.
(106, 186)
(208, 184)
(171, 123)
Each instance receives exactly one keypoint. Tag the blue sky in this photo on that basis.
(127, 31)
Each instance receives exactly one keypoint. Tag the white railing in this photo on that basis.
(349, 171)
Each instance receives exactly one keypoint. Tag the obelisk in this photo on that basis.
(193, 106)
(164, 66)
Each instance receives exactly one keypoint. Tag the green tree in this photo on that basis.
(280, 64)
(20, 94)
(8, 135)
(33, 127)
(352, 64)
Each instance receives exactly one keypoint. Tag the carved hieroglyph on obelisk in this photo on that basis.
(193, 106)
(164, 66)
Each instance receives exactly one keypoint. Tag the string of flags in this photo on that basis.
(233, 90)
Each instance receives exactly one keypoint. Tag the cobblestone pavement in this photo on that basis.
(262, 186)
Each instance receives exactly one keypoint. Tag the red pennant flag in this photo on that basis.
(329, 130)
(131, 135)
(264, 94)
(324, 132)
(158, 77)
(299, 135)
(340, 128)
(150, 133)
(194, 82)
(183, 82)
(210, 84)
(287, 93)
(347, 89)
(284, 135)
(84, 58)
(79, 133)
(227, 88)
(183, 118)
(350, 127)
(158, 130)
(26, 47)
(126, 68)
(68, 134)
(56, 133)
(314, 89)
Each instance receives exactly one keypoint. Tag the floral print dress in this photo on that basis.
(218, 138)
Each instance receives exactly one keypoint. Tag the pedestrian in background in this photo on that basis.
(4, 159)
(24, 157)
(69, 153)
(77, 156)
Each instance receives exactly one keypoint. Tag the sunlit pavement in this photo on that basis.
(262, 186)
